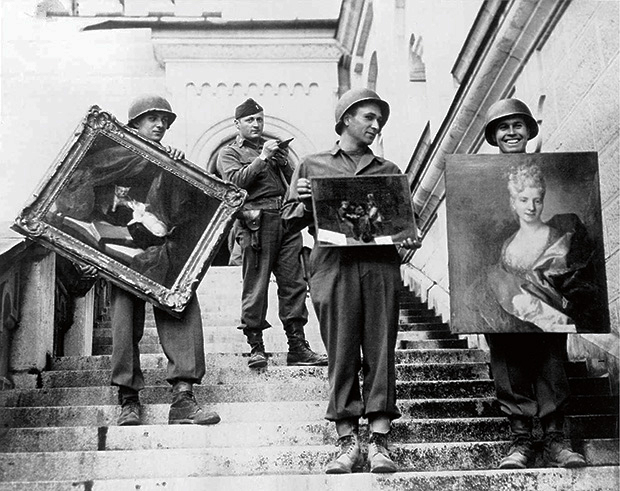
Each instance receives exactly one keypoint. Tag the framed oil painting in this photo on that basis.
(525, 244)
(362, 210)
(115, 200)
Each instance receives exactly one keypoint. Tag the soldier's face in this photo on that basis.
(511, 134)
(364, 123)
(251, 127)
(153, 125)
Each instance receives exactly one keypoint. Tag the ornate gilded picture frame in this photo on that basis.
(526, 244)
(116, 201)
(362, 210)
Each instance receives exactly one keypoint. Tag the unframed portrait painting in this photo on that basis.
(525, 244)
(115, 200)
(366, 210)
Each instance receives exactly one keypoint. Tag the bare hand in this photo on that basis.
(410, 243)
(175, 153)
(280, 157)
(269, 148)
(86, 269)
(303, 188)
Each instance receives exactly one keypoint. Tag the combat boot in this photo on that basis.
(349, 456)
(185, 410)
(557, 451)
(379, 455)
(521, 450)
(258, 358)
(130, 407)
(299, 352)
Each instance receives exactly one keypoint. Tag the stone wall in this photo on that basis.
(577, 69)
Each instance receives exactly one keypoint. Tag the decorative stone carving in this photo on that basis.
(202, 51)
(206, 89)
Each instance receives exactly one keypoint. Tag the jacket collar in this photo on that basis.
(365, 161)
(240, 142)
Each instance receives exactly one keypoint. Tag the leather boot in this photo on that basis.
(557, 451)
(379, 455)
(185, 410)
(349, 455)
(130, 407)
(299, 352)
(258, 358)
(521, 450)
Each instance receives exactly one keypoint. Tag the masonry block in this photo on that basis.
(34, 337)
(606, 21)
(78, 339)
(609, 171)
(603, 104)
(579, 71)
(577, 15)
(25, 380)
(613, 273)
(611, 221)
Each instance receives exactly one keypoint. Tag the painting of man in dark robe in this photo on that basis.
(135, 211)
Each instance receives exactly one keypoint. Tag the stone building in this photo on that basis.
(439, 63)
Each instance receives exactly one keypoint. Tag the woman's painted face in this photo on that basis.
(529, 204)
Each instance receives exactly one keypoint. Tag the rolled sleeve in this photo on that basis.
(232, 169)
(296, 215)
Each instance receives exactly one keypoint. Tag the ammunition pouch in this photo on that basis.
(251, 220)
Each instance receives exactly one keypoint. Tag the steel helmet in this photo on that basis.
(147, 103)
(504, 108)
(354, 96)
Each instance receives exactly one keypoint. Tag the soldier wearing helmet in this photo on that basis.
(181, 339)
(524, 392)
(354, 291)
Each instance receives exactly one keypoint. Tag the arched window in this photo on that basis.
(417, 69)
(372, 72)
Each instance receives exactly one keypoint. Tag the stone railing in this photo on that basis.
(30, 301)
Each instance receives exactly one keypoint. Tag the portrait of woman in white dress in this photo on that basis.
(525, 244)
(544, 277)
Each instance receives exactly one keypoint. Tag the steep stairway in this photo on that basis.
(273, 435)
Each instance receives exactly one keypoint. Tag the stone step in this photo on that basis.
(106, 413)
(417, 311)
(127, 464)
(102, 362)
(539, 479)
(413, 318)
(303, 390)
(241, 374)
(433, 344)
(488, 407)
(424, 326)
(262, 434)
(407, 336)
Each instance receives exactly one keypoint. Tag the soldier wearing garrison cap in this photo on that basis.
(261, 167)
(354, 291)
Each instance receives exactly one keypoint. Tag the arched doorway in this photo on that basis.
(226, 135)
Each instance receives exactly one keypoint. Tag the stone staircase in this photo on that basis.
(273, 436)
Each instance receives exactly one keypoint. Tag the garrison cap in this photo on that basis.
(248, 108)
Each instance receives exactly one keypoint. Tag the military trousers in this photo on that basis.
(181, 340)
(278, 253)
(354, 292)
(529, 373)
